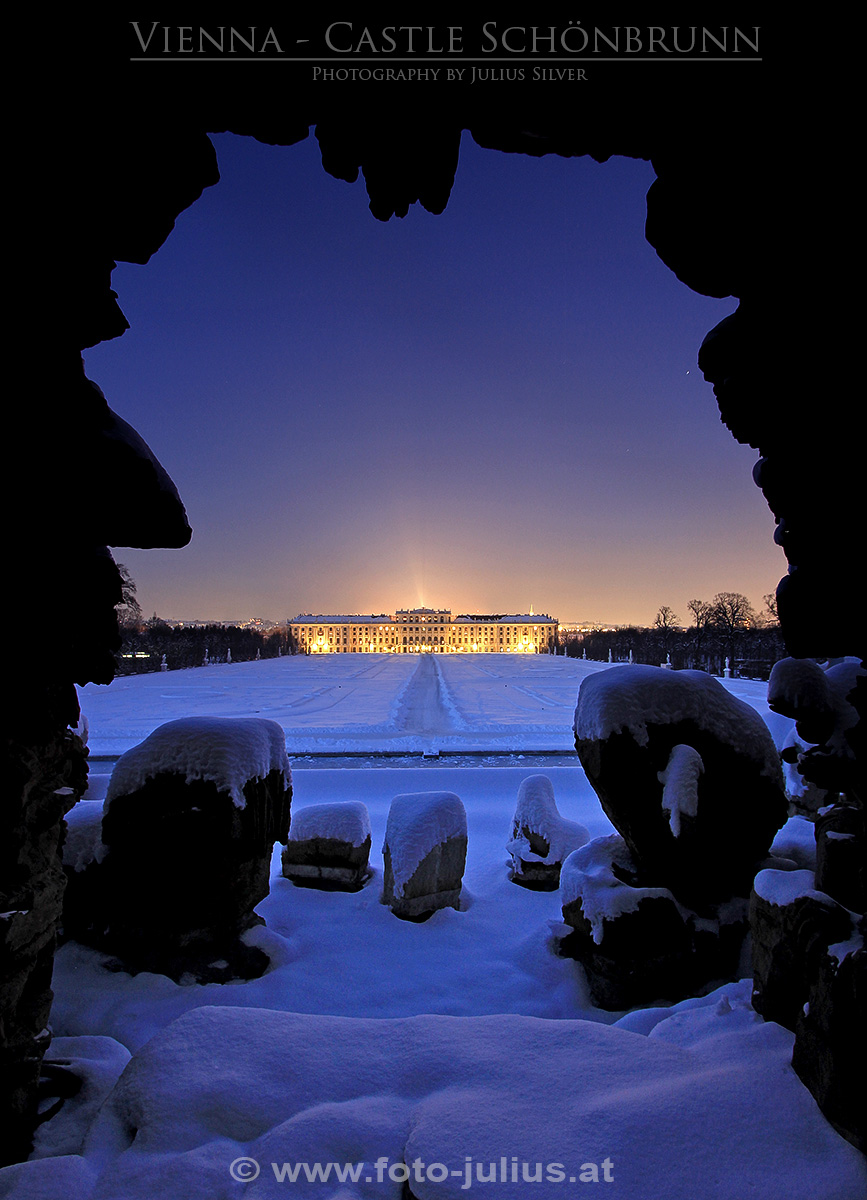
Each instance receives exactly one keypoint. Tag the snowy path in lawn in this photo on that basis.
(423, 706)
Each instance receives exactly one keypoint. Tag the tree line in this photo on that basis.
(726, 628)
(154, 644)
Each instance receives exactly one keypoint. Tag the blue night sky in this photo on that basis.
(485, 410)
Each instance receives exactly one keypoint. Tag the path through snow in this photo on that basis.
(423, 708)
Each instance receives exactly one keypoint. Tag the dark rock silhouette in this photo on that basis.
(190, 822)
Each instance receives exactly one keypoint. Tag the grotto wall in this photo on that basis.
(104, 164)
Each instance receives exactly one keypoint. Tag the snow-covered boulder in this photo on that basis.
(637, 944)
(541, 838)
(810, 975)
(329, 846)
(189, 823)
(688, 774)
(822, 701)
(796, 841)
(231, 753)
(425, 852)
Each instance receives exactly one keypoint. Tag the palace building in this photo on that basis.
(425, 631)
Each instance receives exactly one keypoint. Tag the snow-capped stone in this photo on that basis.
(797, 841)
(638, 944)
(593, 878)
(228, 752)
(635, 698)
(541, 838)
(425, 852)
(792, 923)
(329, 845)
(189, 824)
(687, 773)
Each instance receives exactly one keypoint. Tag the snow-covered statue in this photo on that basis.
(690, 778)
(541, 838)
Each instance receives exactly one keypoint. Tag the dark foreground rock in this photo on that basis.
(31, 899)
(187, 833)
(639, 944)
(810, 974)
(541, 838)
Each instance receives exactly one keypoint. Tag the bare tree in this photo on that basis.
(701, 612)
(666, 618)
(701, 615)
(731, 615)
(770, 616)
(667, 622)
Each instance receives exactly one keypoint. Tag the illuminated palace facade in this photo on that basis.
(425, 631)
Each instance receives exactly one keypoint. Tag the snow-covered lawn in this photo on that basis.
(358, 702)
(461, 1051)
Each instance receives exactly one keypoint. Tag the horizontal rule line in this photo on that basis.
(423, 61)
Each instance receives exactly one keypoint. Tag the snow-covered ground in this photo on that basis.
(375, 1047)
(361, 702)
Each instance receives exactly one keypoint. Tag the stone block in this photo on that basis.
(329, 846)
(424, 853)
(841, 855)
(792, 924)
